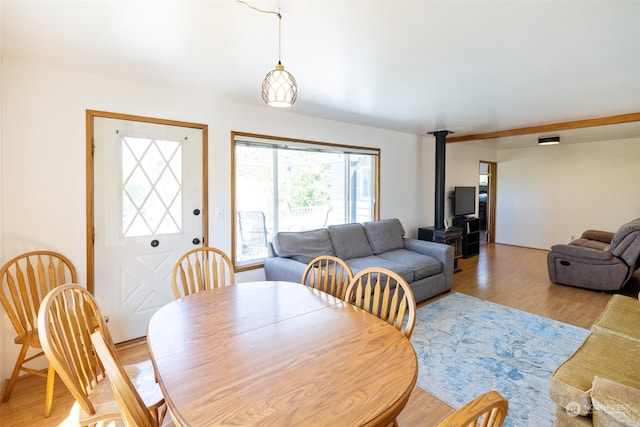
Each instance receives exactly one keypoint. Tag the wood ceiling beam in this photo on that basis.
(553, 127)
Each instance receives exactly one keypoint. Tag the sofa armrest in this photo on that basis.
(286, 269)
(600, 236)
(440, 251)
(581, 253)
(614, 403)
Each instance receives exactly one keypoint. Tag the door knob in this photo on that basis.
(154, 243)
(196, 241)
(196, 212)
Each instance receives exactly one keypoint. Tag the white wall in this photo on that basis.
(43, 157)
(463, 169)
(544, 194)
(426, 158)
(4, 322)
(548, 194)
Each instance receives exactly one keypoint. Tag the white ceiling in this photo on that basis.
(414, 66)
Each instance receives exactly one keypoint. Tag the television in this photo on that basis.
(464, 201)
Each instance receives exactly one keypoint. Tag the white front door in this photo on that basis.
(148, 196)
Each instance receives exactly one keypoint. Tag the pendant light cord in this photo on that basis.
(259, 10)
(279, 38)
(279, 25)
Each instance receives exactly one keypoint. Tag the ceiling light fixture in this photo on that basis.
(279, 87)
(550, 140)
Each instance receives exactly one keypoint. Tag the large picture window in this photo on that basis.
(288, 185)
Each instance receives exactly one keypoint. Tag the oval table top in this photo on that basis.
(280, 354)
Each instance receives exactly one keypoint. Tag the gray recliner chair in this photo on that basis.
(598, 260)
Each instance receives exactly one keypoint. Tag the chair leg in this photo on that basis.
(160, 413)
(48, 398)
(14, 375)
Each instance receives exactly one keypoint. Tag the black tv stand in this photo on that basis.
(470, 226)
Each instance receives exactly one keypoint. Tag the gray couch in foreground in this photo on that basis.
(426, 266)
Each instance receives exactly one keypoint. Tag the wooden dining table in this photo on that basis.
(278, 354)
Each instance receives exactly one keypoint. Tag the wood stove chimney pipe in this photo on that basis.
(441, 142)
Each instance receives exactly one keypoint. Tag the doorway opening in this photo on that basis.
(487, 201)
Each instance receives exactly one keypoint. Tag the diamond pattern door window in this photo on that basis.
(151, 186)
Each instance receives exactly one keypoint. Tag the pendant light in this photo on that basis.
(279, 86)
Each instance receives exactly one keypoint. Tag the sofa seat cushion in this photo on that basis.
(349, 241)
(599, 235)
(588, 243)
(604, 354)
(385, 235)
(303, 246)
(614, 404)
(621, 316)
(359, 264)
(422, 265)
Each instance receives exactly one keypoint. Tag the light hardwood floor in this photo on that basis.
(508, 275)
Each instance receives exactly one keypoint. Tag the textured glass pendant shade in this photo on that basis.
(279, 88)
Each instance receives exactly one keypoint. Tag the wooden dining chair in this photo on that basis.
(68, 316)
(386, 295)
(328, 274)
(487, 410)
(201, 269)
(26, 279)
(132, 407)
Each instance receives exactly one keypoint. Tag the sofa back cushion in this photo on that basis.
(349, 241)
(384, 236)
(623, 232)
(626, 244)
(303, 246)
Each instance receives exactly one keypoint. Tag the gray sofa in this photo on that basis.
(426, 266)
(598, 260)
